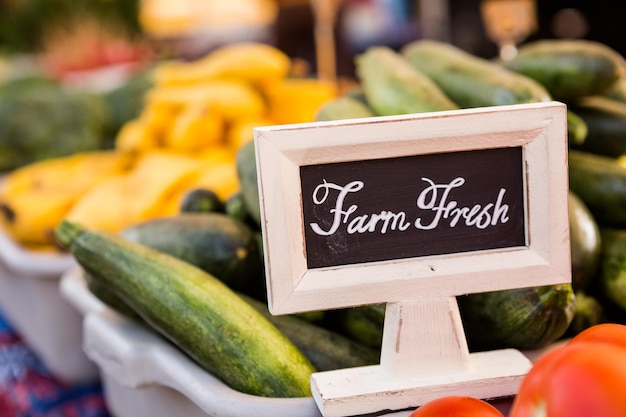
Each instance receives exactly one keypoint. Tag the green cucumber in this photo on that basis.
(524, 318)
(471, 81)
(215, 242)
(569, 69)
(195, 311)
(585, 243)
(393, 86)
(600, 182)
(605, 119)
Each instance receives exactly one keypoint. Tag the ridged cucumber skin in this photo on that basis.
(585, 243)
(524, 318)
(219, 244)
(341, 108)
(471, 81)
(392, 86)
(605, 119)
(613, 267)
(569, 69)
(600, 182)
(196, 312)
(327, 350)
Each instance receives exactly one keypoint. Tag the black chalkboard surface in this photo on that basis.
(411, 206)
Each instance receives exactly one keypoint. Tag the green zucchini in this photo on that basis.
(108, 297)
(524, 318)
(215, 242)
(605, 119)
(201, 200)
(236, 207)
(195, 311)
(585, 243)
(344, 107)
(245, 162)
(600, 182)
(362, 323)
(393, 86)
(471, 81)
(613, 269)
(577, 129)
(569, 69)
(589, 311)
(327, 350)
(617, 91)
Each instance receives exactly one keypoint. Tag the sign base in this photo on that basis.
(368, 389)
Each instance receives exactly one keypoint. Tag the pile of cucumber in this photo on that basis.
(198, 280)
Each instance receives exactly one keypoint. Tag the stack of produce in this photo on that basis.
(589, 78)
(193, 119)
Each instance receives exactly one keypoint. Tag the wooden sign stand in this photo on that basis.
(465, 240)
(424, 356)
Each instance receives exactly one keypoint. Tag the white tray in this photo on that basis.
(32, 303)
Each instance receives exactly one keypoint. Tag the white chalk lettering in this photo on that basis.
(476, 216)
(435, 199)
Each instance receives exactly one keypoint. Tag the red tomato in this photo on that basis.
(584, 378)
(607, 332)
(456, 406)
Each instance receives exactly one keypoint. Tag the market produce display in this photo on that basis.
(166, 224)
(194, 117)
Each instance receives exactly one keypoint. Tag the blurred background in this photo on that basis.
(68, 35)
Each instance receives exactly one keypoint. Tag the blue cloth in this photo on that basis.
(28, 389)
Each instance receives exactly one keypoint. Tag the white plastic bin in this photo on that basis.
(31, 301)
(143, 375)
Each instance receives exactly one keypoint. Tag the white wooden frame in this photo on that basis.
(540, 128)
(424, 352)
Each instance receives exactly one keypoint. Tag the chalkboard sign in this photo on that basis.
(412, 211)
(496, 163)
(383, 209)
